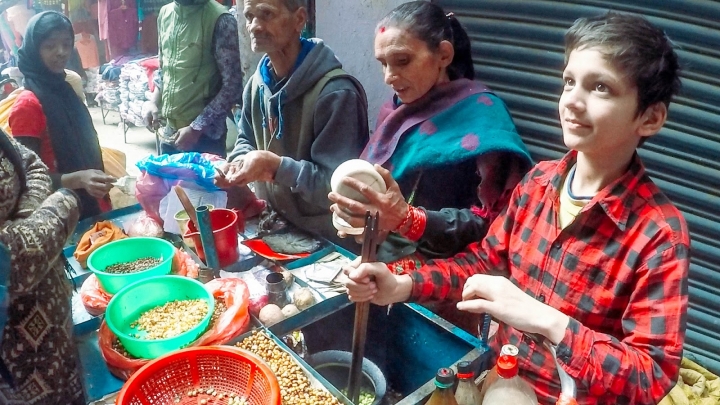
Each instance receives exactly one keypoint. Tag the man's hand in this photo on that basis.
(258, 165)
(186, 138)
(95, 182)
(375, 283)
(391, 204)
(505, 302)
(152, 115)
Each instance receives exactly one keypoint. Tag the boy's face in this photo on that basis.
(598, 107)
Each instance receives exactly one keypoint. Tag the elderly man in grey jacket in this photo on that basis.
(302, 116)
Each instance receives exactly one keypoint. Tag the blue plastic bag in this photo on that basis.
(189, 166)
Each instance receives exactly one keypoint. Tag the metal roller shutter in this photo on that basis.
(518, 52)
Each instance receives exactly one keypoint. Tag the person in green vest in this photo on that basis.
(302, 116)
(200, 76)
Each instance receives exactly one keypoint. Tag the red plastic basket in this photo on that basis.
(169, 379)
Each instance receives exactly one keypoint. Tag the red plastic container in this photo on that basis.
(168, 379)
(225, 224)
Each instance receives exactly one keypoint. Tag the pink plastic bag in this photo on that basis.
(158, 174)
(94, 298)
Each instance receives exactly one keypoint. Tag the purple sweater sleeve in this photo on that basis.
(226, 48)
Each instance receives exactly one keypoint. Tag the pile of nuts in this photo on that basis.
(118, 347)
(295, 387)
(220, 308)
(134, 266)
(171, 319)
(210, 396)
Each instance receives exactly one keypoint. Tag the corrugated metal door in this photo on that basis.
(518, 52)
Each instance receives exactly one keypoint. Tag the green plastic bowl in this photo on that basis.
(128, 250)
(137, 298)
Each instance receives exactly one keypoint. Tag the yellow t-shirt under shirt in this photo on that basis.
(570, 205)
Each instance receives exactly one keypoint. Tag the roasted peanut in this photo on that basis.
(295, 388)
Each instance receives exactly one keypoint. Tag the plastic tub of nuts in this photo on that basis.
(216, 375)
(160, 314)
(125, 261)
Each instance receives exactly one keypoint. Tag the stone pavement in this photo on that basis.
(140, 141)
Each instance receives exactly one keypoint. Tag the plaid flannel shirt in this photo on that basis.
(619, 271)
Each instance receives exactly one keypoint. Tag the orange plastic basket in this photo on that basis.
(168, 380)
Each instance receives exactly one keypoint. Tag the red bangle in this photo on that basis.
(408, 217)
(417, 224)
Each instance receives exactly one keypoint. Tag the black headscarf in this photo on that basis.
(74, 140)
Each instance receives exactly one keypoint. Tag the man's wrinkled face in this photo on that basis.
(271, 25)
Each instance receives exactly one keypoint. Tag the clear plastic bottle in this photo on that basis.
(467, 393)
(491, 376)
(443, 394)
(509, 388)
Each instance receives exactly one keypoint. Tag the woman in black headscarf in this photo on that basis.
(51, 120)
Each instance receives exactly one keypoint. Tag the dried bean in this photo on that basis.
(134, 266)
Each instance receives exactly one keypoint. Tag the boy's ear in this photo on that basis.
(652, 120)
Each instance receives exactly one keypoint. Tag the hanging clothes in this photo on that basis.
(149, 34)
(87, 48)
(18, 17)
(8, 36)
(124, 20)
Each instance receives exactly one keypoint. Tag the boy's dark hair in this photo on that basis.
(429, 23)
(636, 47)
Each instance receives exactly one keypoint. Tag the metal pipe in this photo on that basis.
(568, 389)
(206, 236)
(362, 310)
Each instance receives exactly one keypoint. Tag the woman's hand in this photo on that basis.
(94, 181)
(391, 204)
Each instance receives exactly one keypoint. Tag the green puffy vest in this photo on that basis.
(190, 75)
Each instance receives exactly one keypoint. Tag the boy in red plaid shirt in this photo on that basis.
(590, 253)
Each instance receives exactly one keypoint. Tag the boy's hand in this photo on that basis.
(505, 302)
(375, 283)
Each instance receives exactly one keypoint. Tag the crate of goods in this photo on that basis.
(219, 375)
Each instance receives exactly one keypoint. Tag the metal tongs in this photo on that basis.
(568, 388)
(362, 309)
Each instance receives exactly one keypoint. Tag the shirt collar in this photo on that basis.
(616, 199)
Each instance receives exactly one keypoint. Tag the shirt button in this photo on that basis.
(556, 246)
(541, 298)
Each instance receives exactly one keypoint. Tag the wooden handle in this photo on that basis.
(185, 201)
